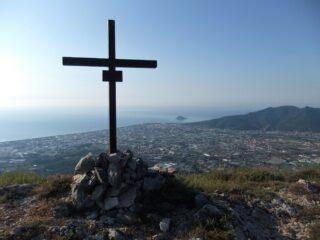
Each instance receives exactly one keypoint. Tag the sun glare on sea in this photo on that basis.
(11, 80)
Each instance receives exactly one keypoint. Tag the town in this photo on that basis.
(187, 148)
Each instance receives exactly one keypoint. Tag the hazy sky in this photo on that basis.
(210, 53)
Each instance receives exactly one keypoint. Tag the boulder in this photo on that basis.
(153, 183)
(141, 172)
(107, 220)
(93, 181)
(101, 175)
(200, 200)
(88, 202)
(110, 203)
(132, 174)
(102, 161)
(114, 157)
(100, 204)
(132, 164)
(81, 180)
(78, 197)
(113, 192)
(86, 164)
(93, 214)
(127, 155)
(127, 218)
(124, 187)
(127, 198)
(141, 163)
(126, 177)
(114, 174)
(98, 192)
(208, 211)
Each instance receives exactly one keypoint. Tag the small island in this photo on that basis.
(181, 118)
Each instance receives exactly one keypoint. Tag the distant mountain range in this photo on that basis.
(284, 118)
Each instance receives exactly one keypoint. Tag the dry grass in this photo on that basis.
(211, 229)
(310, 213)
(315, 232)
(259, 182)
(297, 189)
(55, 185)
(227, 179)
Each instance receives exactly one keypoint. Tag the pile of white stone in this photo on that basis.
(114, 181)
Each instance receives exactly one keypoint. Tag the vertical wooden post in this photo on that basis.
(112, 91)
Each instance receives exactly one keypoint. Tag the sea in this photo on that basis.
(26, 123)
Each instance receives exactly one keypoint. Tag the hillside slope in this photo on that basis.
(243, 203)
(284, 118)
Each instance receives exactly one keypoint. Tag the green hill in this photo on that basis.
(284, 118)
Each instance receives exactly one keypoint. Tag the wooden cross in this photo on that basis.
(112, 76)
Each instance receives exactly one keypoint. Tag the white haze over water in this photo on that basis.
(20, 124)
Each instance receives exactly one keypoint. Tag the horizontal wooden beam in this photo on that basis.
(104, 62)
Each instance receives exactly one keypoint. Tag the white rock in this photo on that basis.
(86, 164)
(165, 224)
(302, 181)
(115, 234)
(80, 179)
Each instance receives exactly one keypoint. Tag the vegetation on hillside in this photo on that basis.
(227, 179)
(10, 178)
(285, 118)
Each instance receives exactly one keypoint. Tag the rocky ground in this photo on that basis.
(263, 209)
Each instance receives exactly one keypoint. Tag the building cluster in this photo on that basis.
(170, 146)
